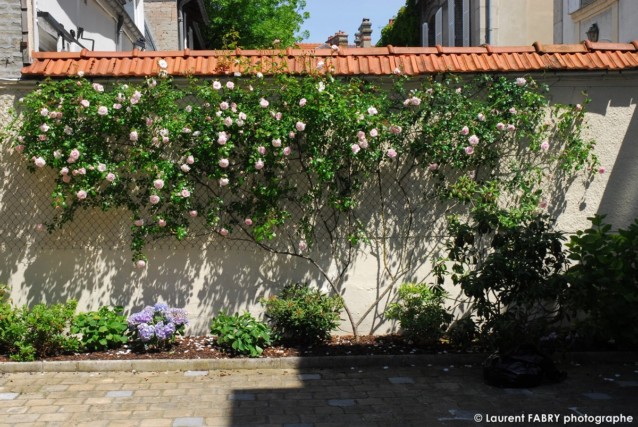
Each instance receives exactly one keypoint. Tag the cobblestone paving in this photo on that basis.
(351, 396)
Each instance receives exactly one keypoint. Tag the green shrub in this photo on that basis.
(604, 282)
(420, 313)
(101, 330)
(241, 334)
(303, 315)
(27, 334)
(462, 332)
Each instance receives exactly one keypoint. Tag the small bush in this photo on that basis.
(101, 330)
(420, 313)
(303, 315)
(241, 334)
(604, 282)
(27, 334)
(462, 332)
(156, 326)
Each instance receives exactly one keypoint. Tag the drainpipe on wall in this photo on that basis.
(118, 33)
(488, 22)
(181, 24)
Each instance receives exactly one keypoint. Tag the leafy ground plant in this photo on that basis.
(420, 313)
(241, 334)
(101, 330)
(27, 334)
(304, 315)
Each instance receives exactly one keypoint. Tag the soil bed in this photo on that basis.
(205, 348)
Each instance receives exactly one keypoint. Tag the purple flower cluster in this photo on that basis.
(158, 323)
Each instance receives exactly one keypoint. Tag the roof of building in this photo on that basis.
(587, 56)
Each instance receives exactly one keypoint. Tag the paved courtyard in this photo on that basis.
(425, 394)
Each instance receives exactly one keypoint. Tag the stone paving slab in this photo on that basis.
(383, 395)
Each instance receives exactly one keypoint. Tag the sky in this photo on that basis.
(329, 16)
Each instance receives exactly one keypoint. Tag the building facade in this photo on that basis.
(478, 22)
(596, 20)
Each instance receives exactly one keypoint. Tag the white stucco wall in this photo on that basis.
(211, 276)
(616, 20)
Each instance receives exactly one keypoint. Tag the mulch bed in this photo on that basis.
(204, 348)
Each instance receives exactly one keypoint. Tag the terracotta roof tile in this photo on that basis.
(345, 61)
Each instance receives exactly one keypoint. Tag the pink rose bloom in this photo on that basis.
(223, 163)
(291, 135)
(223, 182)
(102, 110)
(85, 103)
(233, 107)
(287, 151)
(186, 130)
(222, 138)
(81, 195)
(459, 90)
(165, 139)
(500, 126)
(300, 126)
(190, 160)
(185, 168)
(44, 127)
(303, 102)
(134, 100)
(98, 87)
(133, 136)
(163, 132)
(40, 162)
(240, 122)
(188, 109)
(579, 107)
(261, 149)
(415, 101)
(511, 127)
(57, 154)
(154, 199)
(259, 164)
(158, 183)
(433, 166)
(228, 121)
(155, 141)
(544, 146)
(161, 222)
(68, 130)
(465, 130)
(473, 140)
(242, 116)
(355, 148)
(481, 117)
(263, 103)
(101, 167)
(110, 177)
(302, 245)
(374, 133)
(230, 85)
(278, 116)
(512, 110)
(193, 213)
(248, 222)
(372, 111)
(224, 106)
(185, 193)
(82, 171)
(223, 232)
(117, 106)
(44, 112)
(66, 179)
(75, 172)
(602, 170)
(363, 143)
(217, 85)
(19, 148)
(361, 134)
(140, 263)
(138, 222)
(394, 129)
(469, 150)
(520, 82)
(391, 153)
(75, 154)
(276, 142)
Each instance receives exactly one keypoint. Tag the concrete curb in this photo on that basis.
(292, 362)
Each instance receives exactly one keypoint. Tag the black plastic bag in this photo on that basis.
(521, 368)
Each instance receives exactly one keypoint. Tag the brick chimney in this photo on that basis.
(339, 39)
(365, 33)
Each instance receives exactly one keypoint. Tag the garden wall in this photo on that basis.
(89, 259)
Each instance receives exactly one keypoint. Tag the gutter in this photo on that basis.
(488, 21)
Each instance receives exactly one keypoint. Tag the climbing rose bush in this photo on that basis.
(250, 156)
